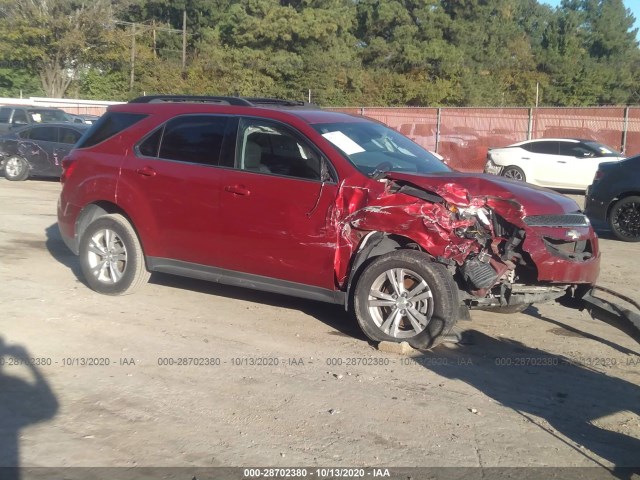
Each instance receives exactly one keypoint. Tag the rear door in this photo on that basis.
(67, 138)
(39, 149)
(171, 184)
(275, 205)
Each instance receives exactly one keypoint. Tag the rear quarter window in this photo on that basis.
(5, 114)
(110, 124)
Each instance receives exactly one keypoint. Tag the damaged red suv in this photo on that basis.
(278, 196)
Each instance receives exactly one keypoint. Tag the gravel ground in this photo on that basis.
(284, 382)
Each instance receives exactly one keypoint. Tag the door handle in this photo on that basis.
(237, 189)
(526, 158)
(146, 172)
(561, 161)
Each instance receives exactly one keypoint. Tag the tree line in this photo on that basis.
(344, 52)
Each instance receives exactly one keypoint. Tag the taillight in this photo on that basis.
(68, 164)
(598, 176)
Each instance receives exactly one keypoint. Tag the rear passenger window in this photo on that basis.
(44, 134)
(550, 148)
(20, 118)
(5, 114)
(267, 147)
(69, 136)
(110, 124)
(193, 139)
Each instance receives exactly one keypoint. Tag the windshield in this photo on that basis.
(374, 148)
(603, 150)
(45, 116)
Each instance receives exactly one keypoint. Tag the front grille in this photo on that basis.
(566, 220)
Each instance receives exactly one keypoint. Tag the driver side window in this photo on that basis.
(267, 147)
(575, 150)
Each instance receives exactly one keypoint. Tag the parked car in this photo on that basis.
(614, 198)
(16, 116)
(278, 196)
(551, 162)
(37, 150)
(84, 118)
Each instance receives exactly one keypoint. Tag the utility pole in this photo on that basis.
(155, 54)
(133, 56)
(184, 40)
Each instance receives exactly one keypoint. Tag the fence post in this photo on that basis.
(530, 126)
(625, 127)
(438, 120)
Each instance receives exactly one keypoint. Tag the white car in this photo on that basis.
(551, 162)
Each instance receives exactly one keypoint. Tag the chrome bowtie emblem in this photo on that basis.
(573, 234)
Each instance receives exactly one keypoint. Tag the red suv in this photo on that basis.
(283, 197)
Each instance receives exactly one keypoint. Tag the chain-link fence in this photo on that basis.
(463, 135)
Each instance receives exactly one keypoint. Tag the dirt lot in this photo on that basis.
(296, 383)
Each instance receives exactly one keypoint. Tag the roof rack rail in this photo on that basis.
(192, 98)
(277, 102)
(236, 101)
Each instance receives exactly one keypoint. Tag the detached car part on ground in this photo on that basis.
(280, 197)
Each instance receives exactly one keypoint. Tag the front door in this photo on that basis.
(275, 207)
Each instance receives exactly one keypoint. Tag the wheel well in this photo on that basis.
(618, 198)
(374, 245)
(95, 210)
(513, 166)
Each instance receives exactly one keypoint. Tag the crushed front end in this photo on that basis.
(505, 243)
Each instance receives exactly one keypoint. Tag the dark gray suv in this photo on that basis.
(12, 116)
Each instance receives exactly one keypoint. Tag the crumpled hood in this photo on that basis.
(460, 188)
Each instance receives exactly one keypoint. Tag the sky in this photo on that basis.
(633, 5)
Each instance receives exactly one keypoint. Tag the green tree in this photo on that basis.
(56, 39)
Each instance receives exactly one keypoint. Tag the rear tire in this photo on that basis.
(624, 219)
(514, 173)
(404, 296)
(16, 169)
(111, 257)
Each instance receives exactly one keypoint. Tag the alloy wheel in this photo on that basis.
(107, 256)
(627, 220)
(400, 303)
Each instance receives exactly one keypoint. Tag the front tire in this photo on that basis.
(404, 296)
(111, 257)
(16, 169)
(624, 219)
(514, 173)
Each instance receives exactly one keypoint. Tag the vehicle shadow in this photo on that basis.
(22, 403)
(332, 315)
(58, 250)
(618, 323)
(570, 398)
